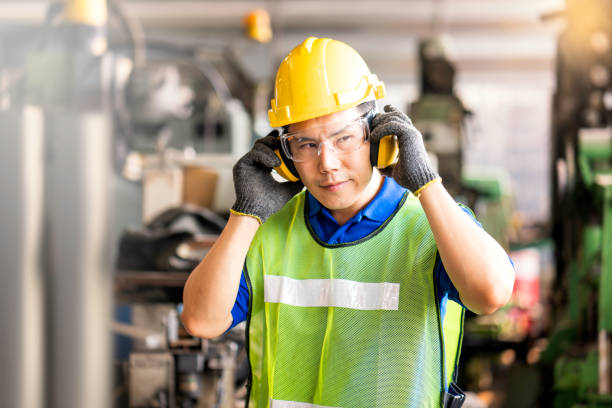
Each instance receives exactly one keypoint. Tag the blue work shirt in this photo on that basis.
(361, 224)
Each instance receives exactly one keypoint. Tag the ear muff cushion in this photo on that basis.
(388, 151)
(374, 154)
(289, 164)
(384, 153)
(373, 146)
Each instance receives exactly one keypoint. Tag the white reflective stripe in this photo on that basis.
(294, 404)
(331, 292)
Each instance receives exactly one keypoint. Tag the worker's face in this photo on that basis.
(338, 180)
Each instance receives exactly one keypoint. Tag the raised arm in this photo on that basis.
(211, 289)
(476, 264)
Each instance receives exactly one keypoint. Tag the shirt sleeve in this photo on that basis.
(445, 285)
(241, 305)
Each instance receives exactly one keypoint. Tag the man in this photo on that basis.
(344, 285)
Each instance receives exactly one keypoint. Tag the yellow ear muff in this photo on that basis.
(283, 170)
(388, 151)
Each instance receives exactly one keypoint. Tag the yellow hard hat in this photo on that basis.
(319, 77)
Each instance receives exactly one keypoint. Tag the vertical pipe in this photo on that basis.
(78, 177)
(21, 300)
(77, 204)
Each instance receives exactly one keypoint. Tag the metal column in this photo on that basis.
(21, 278)
(77, 203)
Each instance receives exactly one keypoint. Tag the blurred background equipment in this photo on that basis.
(251, 62)
(182, 131)
(580, 346)
(95, 120)
(122, 120)
(444, 122)
(55, 239)
(439, 113)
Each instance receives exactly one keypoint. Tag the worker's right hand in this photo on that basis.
(257, 193)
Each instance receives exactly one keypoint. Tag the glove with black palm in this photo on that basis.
(257, 193)
(413, 169)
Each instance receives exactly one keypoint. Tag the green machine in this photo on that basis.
(578, 351)
(580, 348)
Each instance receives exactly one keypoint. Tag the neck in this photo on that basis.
(366, 196)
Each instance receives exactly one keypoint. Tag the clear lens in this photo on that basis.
(306, 145)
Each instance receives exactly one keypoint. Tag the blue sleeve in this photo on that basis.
(445, 286)
(241, 306)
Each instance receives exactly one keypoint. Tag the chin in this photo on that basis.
(334, 203)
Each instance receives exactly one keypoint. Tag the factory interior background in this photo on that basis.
(121, 120)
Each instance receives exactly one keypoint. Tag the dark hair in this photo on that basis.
(366, 107)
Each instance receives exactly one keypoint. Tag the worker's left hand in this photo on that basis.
(413, 169)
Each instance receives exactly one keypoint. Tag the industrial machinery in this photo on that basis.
(579, 350)
(160, 364)
(168, 368)
(442, 118)
(252, 68)
(177, 114)
(181, 101)
(439, 113)
(77, 97)
(56, 162)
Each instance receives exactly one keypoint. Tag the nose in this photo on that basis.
(328, 160)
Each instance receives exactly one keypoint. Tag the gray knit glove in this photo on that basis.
(257, 193)
(413, 169)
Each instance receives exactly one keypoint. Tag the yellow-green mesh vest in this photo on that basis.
(380, 355)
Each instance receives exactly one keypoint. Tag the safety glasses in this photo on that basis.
(305, 145)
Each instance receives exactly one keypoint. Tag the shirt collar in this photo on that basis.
(379, 209)
(385, 202)
(314, 206)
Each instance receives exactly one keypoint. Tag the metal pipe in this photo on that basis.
(77, 201)
(21, 185)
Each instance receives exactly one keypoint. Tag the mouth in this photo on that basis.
(334, 186)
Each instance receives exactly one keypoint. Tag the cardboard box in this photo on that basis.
(199, 185)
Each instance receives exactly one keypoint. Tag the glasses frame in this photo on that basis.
(364, 119)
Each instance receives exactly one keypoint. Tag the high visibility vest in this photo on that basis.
(348, 325)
